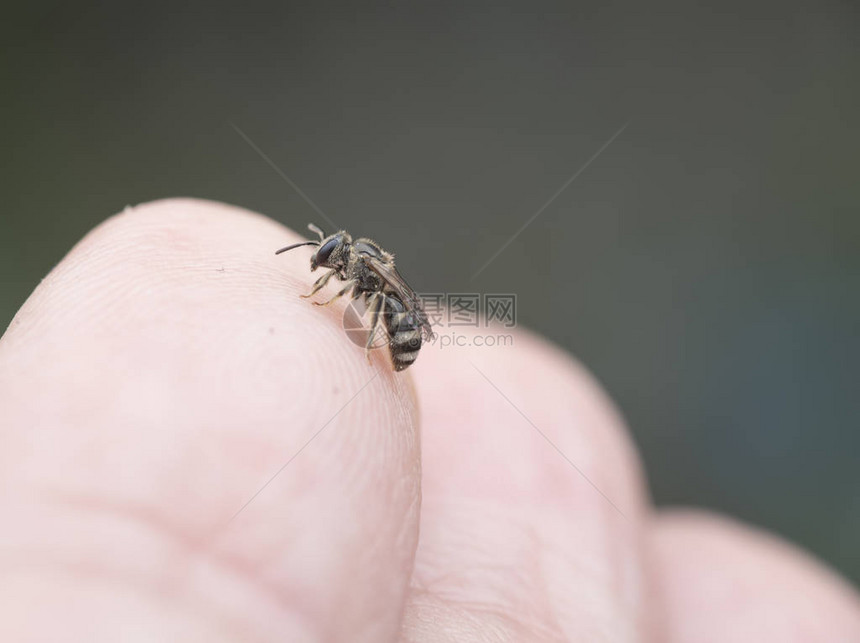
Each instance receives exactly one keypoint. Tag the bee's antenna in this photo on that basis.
(297, 245)
(316, 230)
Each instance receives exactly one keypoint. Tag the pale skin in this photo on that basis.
(167, 368)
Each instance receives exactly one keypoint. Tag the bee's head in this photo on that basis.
(332, 251)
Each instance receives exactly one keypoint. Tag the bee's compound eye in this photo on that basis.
(326, 249)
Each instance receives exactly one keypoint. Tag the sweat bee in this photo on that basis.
(369, 273)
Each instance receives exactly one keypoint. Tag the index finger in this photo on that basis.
(533, 503)
(160, 378)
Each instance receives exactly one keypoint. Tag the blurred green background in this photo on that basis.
(705, 266)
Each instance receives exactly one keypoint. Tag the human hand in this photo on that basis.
(166, 371)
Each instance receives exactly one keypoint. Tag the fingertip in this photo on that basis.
(528, 474)
(168, 364)
(189, 285)
(500, 377)
(721, 580)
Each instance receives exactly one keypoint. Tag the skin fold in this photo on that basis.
(167, 372)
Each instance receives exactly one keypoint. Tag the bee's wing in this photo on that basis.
(389, 274)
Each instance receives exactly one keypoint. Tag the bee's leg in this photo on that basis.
(375, 306)
(349, 286)
(320, 283)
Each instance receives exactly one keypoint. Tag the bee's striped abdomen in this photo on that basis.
(404, 333)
